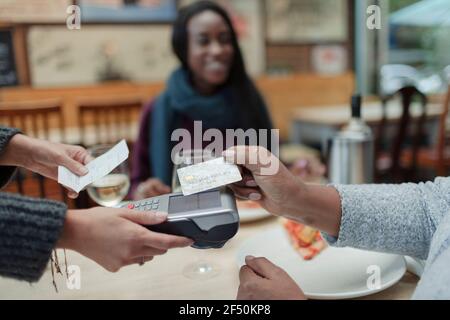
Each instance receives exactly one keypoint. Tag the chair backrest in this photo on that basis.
(108, 121)
(40, 119)
(407, 94)
(443, 135)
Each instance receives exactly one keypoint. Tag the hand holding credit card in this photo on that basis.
(207, 175)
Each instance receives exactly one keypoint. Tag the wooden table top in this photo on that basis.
(338, 115)
(162, 278)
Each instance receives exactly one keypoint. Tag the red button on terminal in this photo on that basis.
(131, 206)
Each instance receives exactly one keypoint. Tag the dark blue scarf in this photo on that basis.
(178, 101)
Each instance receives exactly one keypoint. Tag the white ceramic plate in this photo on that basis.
(336, 273)
(249, 214)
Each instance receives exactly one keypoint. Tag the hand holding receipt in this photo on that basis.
(108, 181)
(98, 168)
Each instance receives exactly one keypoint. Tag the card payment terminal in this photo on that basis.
(209, 218)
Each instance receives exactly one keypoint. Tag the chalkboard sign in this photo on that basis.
(8, 72)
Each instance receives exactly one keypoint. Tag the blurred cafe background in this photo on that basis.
(308, 58)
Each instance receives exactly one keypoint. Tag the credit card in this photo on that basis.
(207, 175)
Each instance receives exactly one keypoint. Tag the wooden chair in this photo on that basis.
(436, 157)
(389, 164)
(40, 119)
(108, 120)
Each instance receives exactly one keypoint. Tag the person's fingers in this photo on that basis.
(161, 188)
(143, 191)
(151, 190)
(87, 158)
(320, 169)
(83, 156)
(154, 239)
(262, 266)
(79, 154)
(247, 181)
(72, 194)
(154, 187)
(303, 163)
(253, 194)
(71, 164)
(239, 197)
(242, 183)
(251, 183)
(247, 274)
(144, 218)
(165, 241)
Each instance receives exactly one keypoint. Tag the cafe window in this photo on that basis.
(419, 36)
(412, 33)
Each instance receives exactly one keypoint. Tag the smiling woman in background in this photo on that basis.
(211, 86)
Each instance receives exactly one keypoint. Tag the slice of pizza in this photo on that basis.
(307, 241)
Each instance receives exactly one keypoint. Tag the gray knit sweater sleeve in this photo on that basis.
(398, 219)
(6, 172)
(29, 228)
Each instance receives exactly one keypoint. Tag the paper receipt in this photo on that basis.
(98, 168)
(207, 175)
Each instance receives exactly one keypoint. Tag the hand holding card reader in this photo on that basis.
(209, 218)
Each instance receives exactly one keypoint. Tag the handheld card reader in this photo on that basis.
(209, 218)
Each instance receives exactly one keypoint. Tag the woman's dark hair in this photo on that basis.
(250, 103)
